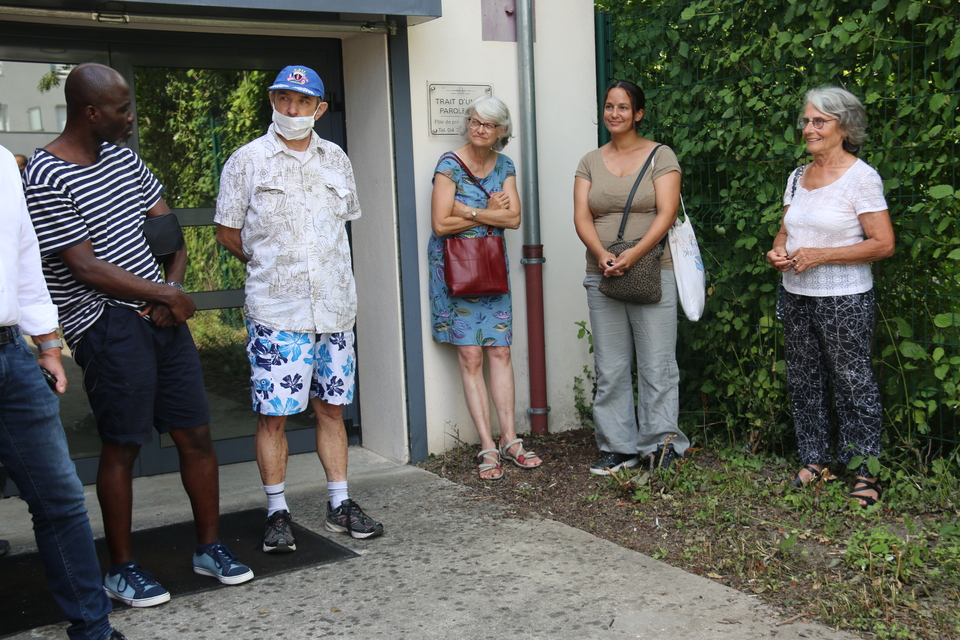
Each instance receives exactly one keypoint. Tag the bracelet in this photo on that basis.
(176, 285)
(56, 343)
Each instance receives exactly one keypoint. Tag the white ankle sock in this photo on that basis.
(337, 493)
(276, 501)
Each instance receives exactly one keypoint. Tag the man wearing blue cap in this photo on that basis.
(284, 203)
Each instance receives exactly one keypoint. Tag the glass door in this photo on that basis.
(197, 99)
(32, 113)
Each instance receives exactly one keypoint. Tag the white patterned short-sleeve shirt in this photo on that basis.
(292, 214)
(830, 217)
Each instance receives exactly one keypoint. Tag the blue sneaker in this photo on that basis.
(220, 563)
(134, 586)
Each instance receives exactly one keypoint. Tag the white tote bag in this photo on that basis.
(688, 266)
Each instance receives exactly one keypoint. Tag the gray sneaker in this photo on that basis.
(277, 533)
(350, 518)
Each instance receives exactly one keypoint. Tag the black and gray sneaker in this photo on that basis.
(612, 462)
(277, 533)
(350, 518)
(663, 459)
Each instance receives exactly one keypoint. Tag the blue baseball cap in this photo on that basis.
(300, 79)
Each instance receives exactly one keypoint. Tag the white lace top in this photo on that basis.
(829, 217)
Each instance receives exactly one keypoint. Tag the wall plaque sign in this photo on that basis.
(448, 105)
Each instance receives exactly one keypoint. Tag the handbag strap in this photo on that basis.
(626, 209)
(796, 179)
(456, 158)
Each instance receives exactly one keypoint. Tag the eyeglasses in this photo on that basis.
(476, 124)
(817, 122)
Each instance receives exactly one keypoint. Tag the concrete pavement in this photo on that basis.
(449, 565)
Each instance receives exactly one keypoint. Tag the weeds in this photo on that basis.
(582, 402)
(583, 406)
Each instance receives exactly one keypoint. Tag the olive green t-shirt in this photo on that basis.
(608, 195)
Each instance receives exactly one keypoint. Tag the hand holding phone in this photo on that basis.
(50, 378)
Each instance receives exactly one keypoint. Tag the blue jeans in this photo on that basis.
(33, 448)
(625, 334)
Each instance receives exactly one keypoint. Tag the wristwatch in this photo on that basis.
(56, 343)
(474, 215)
(176, 285)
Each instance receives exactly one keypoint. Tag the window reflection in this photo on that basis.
(33, 108)
(191, 120)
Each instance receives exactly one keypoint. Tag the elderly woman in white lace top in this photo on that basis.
(835, 223)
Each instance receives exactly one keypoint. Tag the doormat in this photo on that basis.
(166, 552)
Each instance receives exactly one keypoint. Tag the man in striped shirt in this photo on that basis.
(32, 441)
(126, 325)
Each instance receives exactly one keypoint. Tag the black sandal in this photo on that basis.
(866, 485)
(797, 482)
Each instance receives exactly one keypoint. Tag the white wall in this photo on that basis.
(450, 49)
(380, 370)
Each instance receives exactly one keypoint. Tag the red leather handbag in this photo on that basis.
(475, 266)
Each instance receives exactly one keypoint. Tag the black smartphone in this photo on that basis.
(50, 378)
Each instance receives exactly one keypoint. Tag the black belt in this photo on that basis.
(9, 334)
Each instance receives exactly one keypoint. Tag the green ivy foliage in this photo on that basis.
(724, 81)
(190, 121)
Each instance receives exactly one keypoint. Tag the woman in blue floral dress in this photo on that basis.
(479, 325)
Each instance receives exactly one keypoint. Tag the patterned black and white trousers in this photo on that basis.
(828, 342)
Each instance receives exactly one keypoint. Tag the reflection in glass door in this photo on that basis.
(32, 114)
(189, 122)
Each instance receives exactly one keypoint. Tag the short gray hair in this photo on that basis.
(847, 109)
(493, 110)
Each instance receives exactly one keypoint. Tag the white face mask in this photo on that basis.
(293, 128)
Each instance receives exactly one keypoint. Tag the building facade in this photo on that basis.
(389, 67)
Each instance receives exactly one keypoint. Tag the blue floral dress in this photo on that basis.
(485, 321)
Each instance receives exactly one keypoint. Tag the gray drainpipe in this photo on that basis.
(530, 196)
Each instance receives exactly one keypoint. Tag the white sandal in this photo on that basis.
(522, 456)
(490, 463)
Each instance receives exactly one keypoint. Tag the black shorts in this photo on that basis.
(139, 377)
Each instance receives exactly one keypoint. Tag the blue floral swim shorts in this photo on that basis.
(288, 368)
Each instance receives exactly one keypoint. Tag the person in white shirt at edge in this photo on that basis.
(284, 203)
(33, 446)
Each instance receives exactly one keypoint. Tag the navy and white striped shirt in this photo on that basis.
(105, 203)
